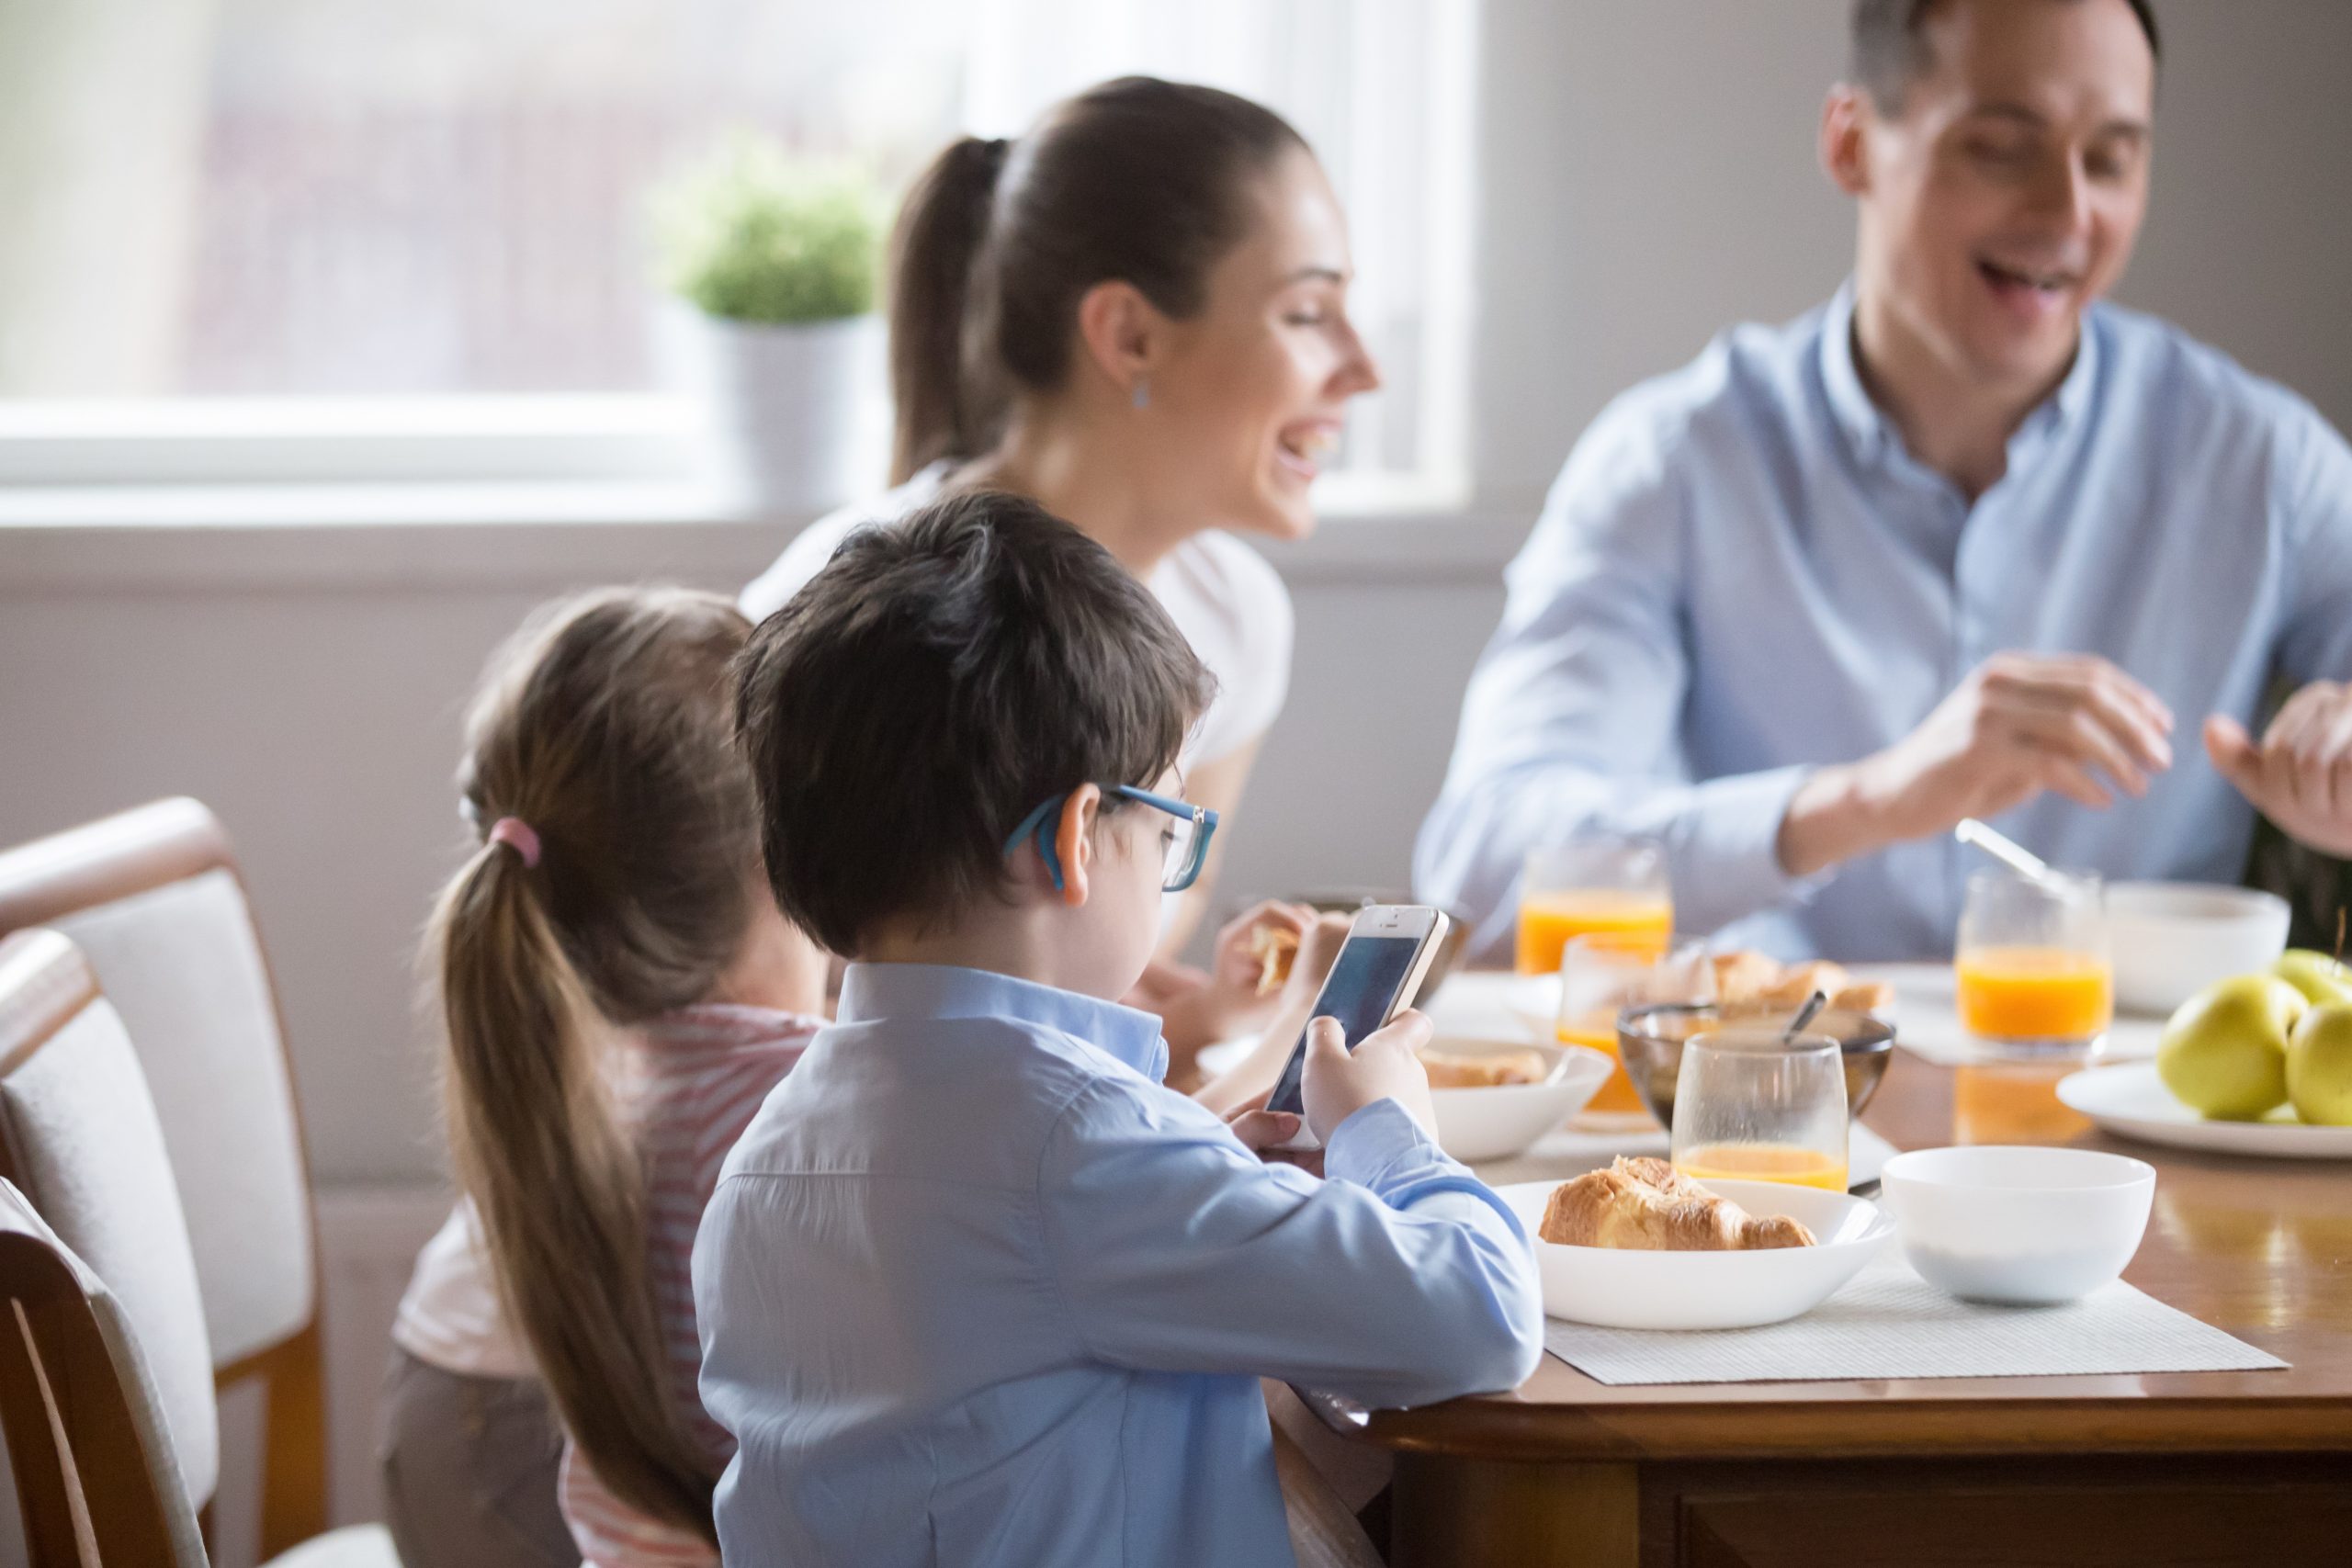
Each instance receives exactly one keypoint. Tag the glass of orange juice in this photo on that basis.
(1750, 1106)
(1595, 885)
(2032, 972)
(1603, 974)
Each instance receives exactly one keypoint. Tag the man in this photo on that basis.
(1961, 543)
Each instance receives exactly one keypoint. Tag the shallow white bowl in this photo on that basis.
(1476, 1124)
(1620, 1288)
(2023, 1225)
(2171, 939)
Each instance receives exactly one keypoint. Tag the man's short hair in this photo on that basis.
(933, 685)
(1891, 48)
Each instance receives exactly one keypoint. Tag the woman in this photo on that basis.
(1136, 315)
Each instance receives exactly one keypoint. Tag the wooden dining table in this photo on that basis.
(2080, 1471)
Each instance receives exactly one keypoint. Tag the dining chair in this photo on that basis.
(107, 1392)
(153, 899)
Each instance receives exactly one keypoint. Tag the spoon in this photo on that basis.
(2006, 850)
(1805, 1014)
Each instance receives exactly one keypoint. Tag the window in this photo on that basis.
(243, 217)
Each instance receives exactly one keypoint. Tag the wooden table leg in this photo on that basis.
(1468, 1513)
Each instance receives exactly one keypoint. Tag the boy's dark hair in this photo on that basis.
(1891, 48)
(929, 688)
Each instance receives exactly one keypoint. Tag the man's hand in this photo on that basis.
(2019, 725)
(2301, 775)
(1383, 1066)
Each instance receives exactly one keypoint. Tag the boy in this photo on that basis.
(975, 1288)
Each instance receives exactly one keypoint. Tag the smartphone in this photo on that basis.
(1377, 975)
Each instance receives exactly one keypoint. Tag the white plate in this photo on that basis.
(2131, 1102)
(1623, 1288)
(1497, 1122)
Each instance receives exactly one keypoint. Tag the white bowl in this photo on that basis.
(2023, 1225)
(1622, 1288)
(1497, 1122)
(2171, 939)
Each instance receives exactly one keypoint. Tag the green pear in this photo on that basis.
(2318, 976)
(2224, 1051)
(2319, 1065)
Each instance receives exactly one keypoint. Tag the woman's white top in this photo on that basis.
(1230, 604)
(450, 1317)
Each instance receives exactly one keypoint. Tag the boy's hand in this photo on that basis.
(1262, 1131)
(1385, 1067)
(1237, 996)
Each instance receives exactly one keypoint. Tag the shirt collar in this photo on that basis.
(1866, 426)
(875, 991)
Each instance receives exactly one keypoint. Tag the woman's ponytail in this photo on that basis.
(934, 250)
(557, 1186)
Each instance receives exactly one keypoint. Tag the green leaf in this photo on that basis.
(751, 234)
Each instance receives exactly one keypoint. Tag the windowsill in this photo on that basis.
(225, 536)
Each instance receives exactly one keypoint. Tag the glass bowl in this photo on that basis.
(1650, 1039)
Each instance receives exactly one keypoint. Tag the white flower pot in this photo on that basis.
(793, 414)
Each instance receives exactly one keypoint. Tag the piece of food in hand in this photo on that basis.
(2319, 1065)
(2224, 1052)
(1274, 948)
(1453, 1069)
(1647, 1204)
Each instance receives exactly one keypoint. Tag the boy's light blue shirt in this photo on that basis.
(975, 1288)
(1741, 574)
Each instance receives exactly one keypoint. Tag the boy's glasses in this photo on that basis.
(1187, 840)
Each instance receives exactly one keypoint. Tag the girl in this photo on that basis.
(619, 994)
(1136, 315)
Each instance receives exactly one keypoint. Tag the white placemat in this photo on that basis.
(1889, 1322)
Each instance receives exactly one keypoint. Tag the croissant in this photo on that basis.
(1648, 1204)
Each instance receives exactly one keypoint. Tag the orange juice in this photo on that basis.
(2013, 1103)
(1598, 1031)
(2035, 992)
(1763, 1162)
(1549, 921)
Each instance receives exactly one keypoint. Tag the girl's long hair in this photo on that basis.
(606, 727)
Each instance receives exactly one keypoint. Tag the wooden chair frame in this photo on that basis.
(85, 1482)
(118, 857)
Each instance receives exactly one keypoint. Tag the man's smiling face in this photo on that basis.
(2003, 191)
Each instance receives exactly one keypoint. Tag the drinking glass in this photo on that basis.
(2032, 972)
(1749, 1106)
(1605, 885)
(1602, 976)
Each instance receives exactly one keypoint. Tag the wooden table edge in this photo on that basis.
(1879, 1429)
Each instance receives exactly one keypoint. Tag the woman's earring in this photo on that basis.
(1141, 396)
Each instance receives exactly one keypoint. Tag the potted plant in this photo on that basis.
(772, 263)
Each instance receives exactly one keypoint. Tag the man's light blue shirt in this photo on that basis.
(1742, 574)
(975, 1288)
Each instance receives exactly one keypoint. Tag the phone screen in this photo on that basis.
(1359, 991)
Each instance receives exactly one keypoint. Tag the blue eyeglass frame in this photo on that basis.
(1039, 824)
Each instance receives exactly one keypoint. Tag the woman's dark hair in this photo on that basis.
(1891, 49)
(933, 685)
(1137, 180)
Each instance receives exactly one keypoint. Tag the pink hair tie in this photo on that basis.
(515, 831)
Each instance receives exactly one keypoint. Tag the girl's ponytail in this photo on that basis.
(943, 411)
(556, 1185)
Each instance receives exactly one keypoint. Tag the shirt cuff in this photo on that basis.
(1374, 1140)
(1732, 853)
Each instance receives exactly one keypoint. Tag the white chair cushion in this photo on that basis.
(359, 1546)
(94, 1166)
(183, 966)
